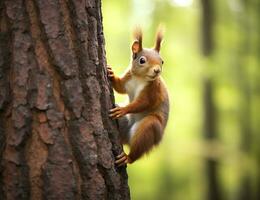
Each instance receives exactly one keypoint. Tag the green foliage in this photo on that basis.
(176, 169)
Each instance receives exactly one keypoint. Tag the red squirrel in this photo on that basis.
(148, 108)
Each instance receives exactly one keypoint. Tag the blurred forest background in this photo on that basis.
(211, 53)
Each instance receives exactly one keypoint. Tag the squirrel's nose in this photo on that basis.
(157, 71)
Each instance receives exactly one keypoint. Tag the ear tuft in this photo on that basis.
(159, 38)
(138, 37)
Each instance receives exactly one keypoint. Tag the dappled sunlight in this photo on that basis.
(176, 169)
(182, 3)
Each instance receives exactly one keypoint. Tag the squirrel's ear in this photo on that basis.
(158, 39)
(138, 36)
(136, 47)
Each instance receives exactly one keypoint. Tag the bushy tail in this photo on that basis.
(148, 134)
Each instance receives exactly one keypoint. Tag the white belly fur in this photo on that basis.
(133, 88)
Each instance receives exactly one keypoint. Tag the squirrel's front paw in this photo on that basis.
(110, 72)
(117, 112)
(122, 159)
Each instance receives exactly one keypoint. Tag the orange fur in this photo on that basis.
(151, 96)
(153, 100)
(119, 83)
(148, 134)
(149, 105)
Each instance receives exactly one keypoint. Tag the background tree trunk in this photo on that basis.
(244, 48)
(56, 139)
(209, 123)
(256, 93)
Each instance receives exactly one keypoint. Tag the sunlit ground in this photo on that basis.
(175, 170)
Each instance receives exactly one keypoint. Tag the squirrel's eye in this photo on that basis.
(142, 60)
(162, 62)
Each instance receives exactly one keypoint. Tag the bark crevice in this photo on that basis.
(56, 140)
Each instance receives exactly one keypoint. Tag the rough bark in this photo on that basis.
(209, 124)
(56, 139)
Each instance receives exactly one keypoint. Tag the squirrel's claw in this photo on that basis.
(110, 72)
(117, 112)
(121, 159)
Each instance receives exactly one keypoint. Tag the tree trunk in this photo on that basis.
(256, 93)
(56, 139)
(209, 123)
(244, 48)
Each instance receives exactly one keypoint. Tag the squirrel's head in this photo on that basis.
(146, 63)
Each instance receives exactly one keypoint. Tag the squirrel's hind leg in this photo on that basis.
(124, 126)
(124, 129)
